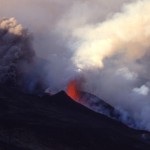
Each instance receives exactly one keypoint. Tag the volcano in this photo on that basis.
(29, 122)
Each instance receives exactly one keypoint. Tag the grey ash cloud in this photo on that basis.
(15, 50)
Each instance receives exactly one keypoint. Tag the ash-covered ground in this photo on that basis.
(29, 122)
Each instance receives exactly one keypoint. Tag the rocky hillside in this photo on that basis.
(29, 122)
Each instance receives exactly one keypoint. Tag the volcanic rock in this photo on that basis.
(29, 122)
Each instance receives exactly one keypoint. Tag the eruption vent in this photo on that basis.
(73, 90)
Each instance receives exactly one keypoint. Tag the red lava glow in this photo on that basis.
(73, 90)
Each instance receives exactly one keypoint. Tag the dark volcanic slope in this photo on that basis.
(57, 123)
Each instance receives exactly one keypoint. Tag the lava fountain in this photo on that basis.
(73, 90)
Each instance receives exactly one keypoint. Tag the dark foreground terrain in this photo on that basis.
(56, 122)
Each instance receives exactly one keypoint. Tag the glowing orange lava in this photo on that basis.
(73, 90)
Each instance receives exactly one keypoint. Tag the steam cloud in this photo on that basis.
(105, 44)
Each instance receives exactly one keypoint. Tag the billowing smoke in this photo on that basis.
(113, 56)
(15, 51)
(103, 44)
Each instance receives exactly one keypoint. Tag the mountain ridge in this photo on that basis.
(30, 122)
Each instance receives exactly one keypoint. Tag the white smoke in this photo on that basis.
(107, 43)
(114, 55)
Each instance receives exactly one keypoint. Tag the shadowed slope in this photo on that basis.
(57, 122)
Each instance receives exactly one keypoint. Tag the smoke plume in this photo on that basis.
(103, 46)
(15, 49)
